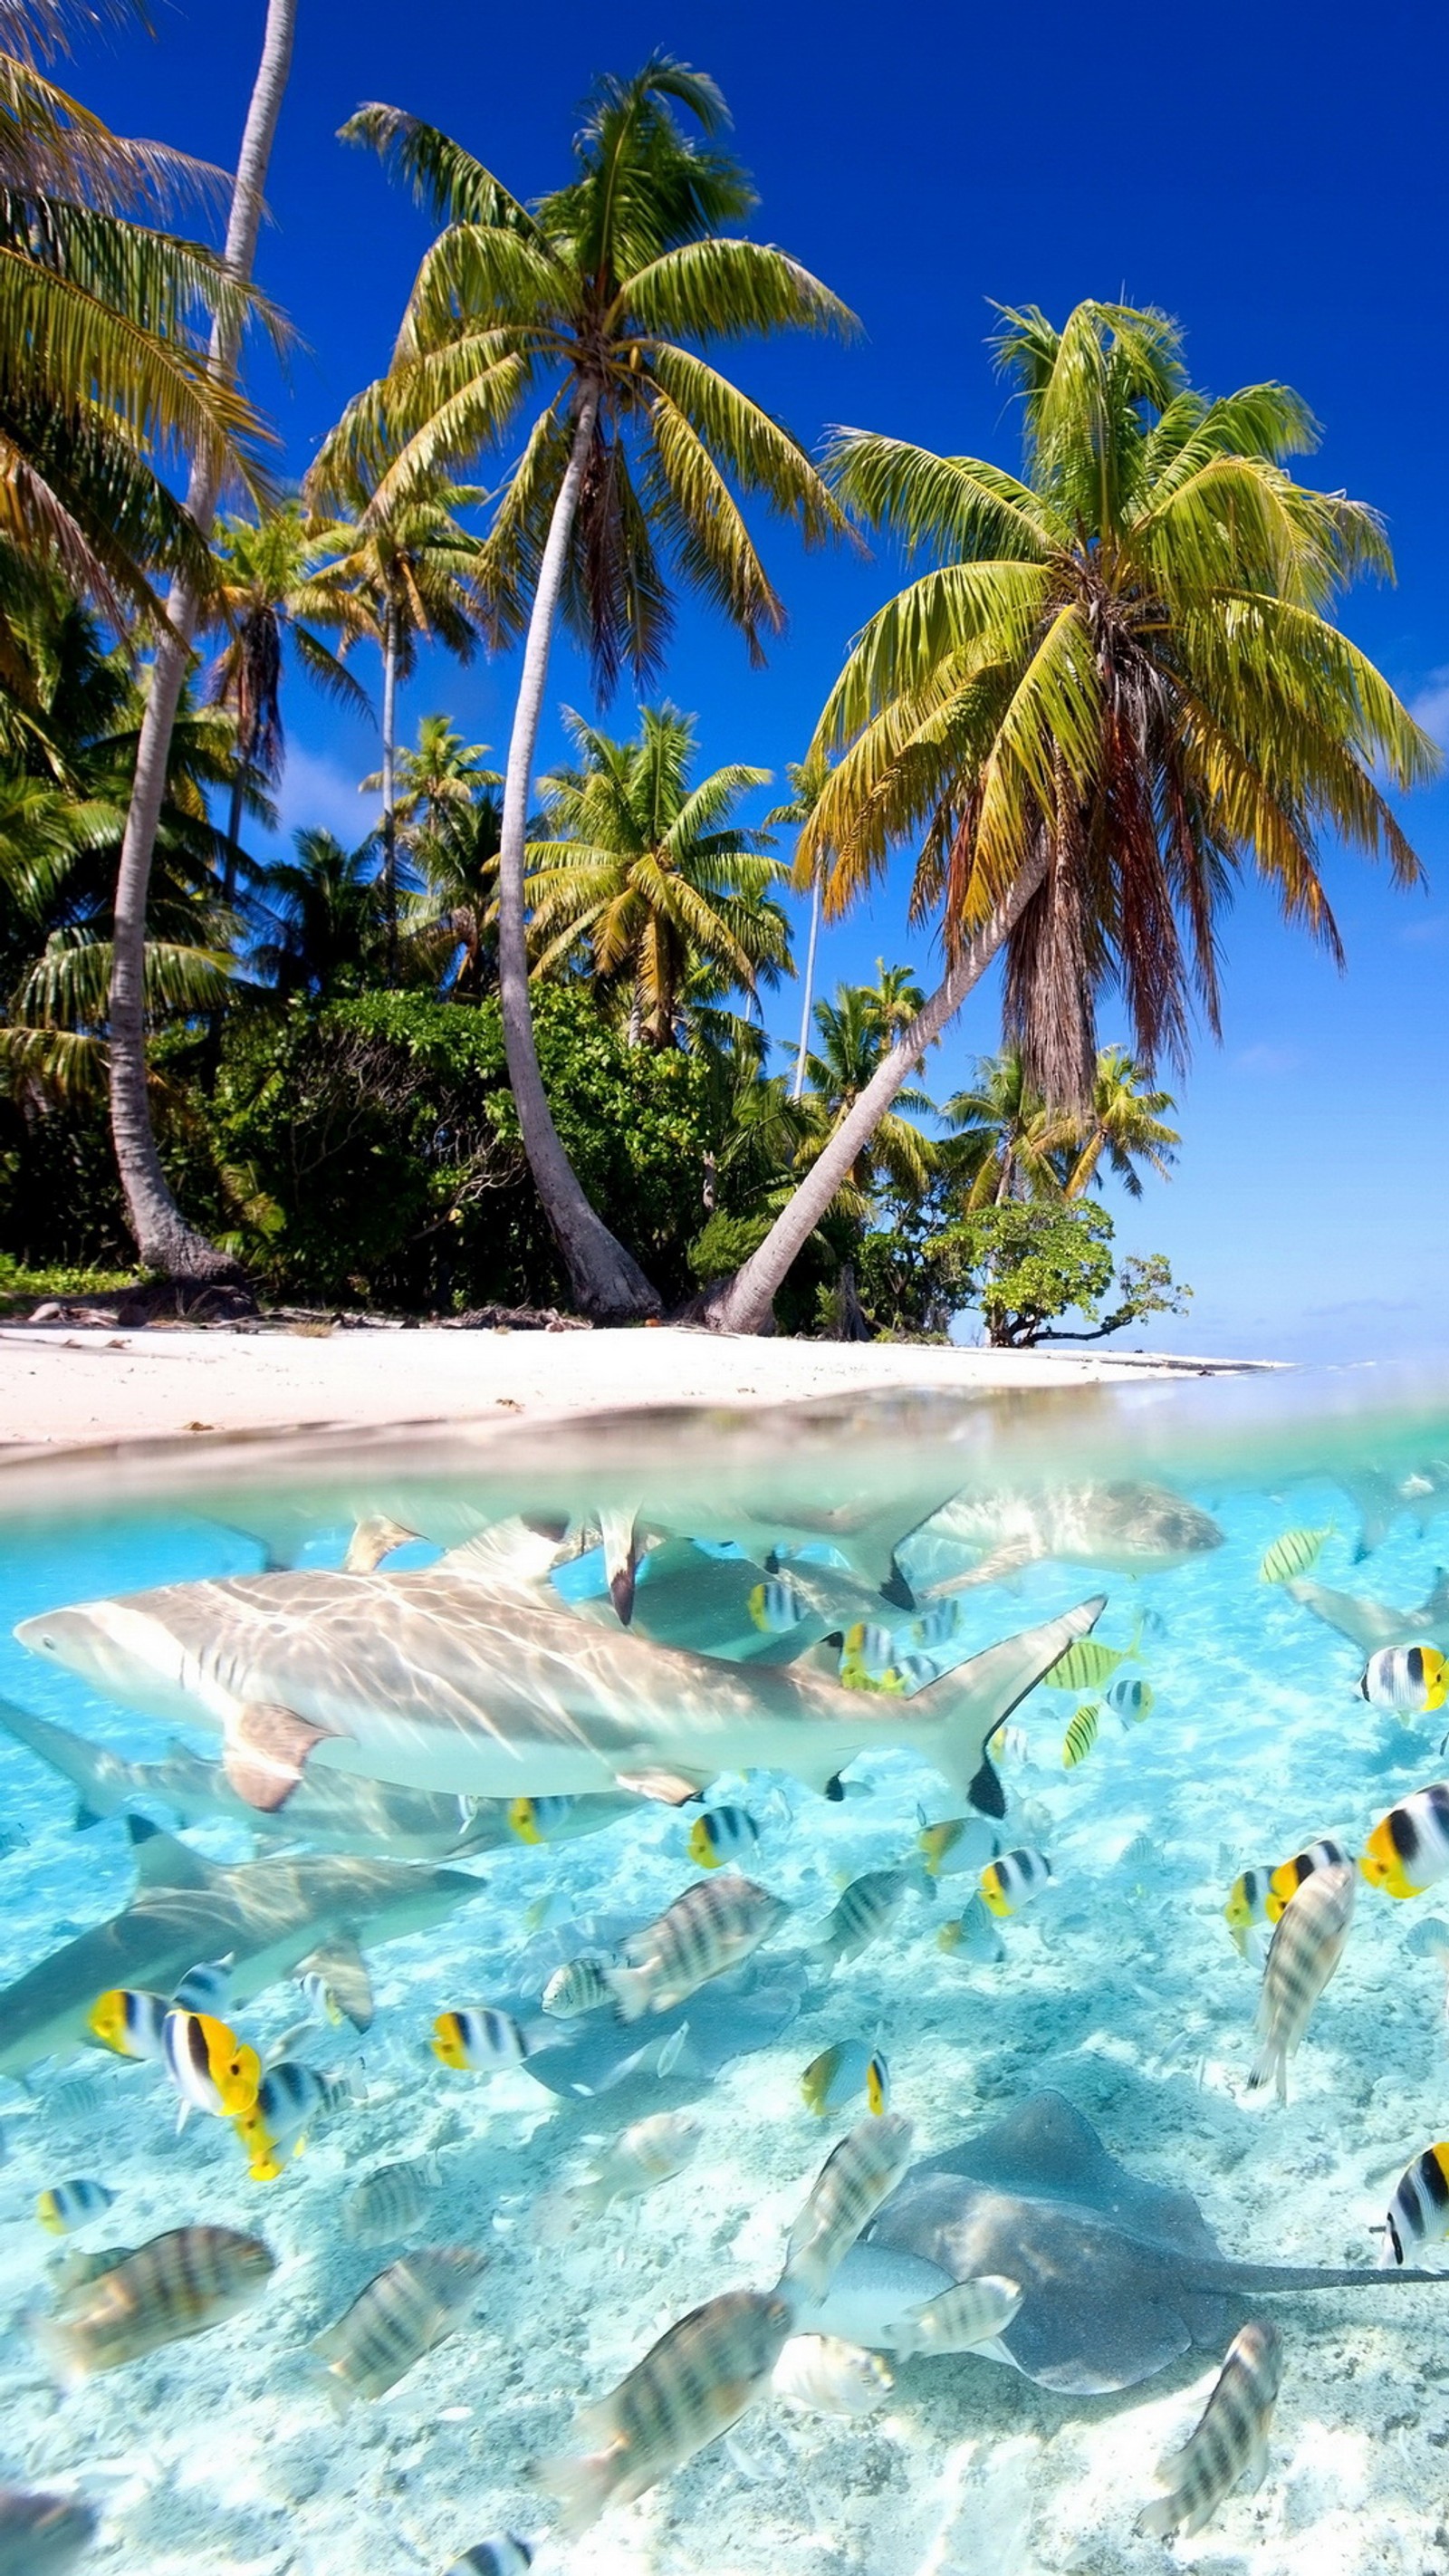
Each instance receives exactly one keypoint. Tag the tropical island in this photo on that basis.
(505, 1057)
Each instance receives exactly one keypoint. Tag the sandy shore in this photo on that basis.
(62, 1385)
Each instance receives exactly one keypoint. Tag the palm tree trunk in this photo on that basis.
(798, 1085)
(607, 1282)
(389, 785)
(744, 1303)
(233, 835)
(163, 1238)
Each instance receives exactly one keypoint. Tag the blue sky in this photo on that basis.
(1271, 175)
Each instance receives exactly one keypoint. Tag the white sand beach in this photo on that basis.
(62, 1385)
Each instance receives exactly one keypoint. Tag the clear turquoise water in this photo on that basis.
(1122, 1989)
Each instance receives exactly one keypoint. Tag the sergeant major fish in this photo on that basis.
(1230, 2445)
(179, 2284)
(962, 2318)
(402, 2313)
(867, 1908)
(711, 1928)
(649, 2152)
(1305, 1950)
(848, 2190)
(691, 2385)
(828, 2377)
(388, 2202)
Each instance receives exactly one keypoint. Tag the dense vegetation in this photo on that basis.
(510, 1049)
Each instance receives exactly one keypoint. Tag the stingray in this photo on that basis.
(1120, 2276)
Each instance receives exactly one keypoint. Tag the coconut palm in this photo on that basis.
(653, 877)
(1003, 1142)
(807, 781)
(854, 1032)
(323, 916)
(163, 1237)
(415, 567)
(1126, 1125)
(599, 301)
(1118, 687)
(275, 588)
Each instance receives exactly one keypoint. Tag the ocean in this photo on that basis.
(783, 1577)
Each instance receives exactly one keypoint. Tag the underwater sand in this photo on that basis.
(1122, 1988)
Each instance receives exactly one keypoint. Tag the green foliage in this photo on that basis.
(21, 1288)
(1029, 1262)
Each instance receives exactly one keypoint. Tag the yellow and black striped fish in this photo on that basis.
(1081, 1734)
(1419, 2210)
(1293, 1554)
(1286, 1880)
(1086, 1665)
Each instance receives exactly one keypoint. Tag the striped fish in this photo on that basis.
(210, 2067)
(1014, 1881)
(958, 1842)
(776, 1607)
(412, 2305)
(711, 1928)
(1247, 1905)
(1131, 1698)
(388, 2202)
(969, 2314)
(1230, 2445)
(179, 2284)
(650, 2151)
(1296, 1552)
(721, 1834)
(68, 2205)
(1305, 1949)
(866, 1908)
(974, 1936)
(1081, 1734)
(1086, 1665)
(130, 2021)
(580, 1986)
(478, 2040)
(691, 2385)
(1411, 1679)
(828, 2377)
(509, 2555)
(848, 2190)
(1286, 1880)
(42, 2535)
(290, 2098)
(1408, 1849)
(835, 2077)
(1419, 2210)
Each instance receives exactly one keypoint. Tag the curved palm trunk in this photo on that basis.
(163, 1238)
(607, 1282)
(389, 786)
(745, 1302)
(797, 1087)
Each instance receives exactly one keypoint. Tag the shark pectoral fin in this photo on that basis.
(666, 1788)
(371, 1541)
(84, 1817)
(342, 1966)
(266, 1753)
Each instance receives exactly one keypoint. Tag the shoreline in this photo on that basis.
(67, 1386)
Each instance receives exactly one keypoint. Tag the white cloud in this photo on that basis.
(318, 793)
(1431, 707)
(1269, 1060)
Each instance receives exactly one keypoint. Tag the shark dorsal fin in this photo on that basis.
(162, 1861)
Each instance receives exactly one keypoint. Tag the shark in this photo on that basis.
(1126, 1528)
(329, 1813)
(430, 1681)
(1119, 2276)
(274, 1917)
(1372, 1625)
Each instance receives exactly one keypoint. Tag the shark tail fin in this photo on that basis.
(975, 1698)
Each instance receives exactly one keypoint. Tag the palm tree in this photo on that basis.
(100, 372)
(1003, 1142)
(807, 781)
(855, 1031)
(600, 299)
(416, 569)
(163, 1237)
(325, 913)
(1118, 687)
(274, 588)
(1126, 1124)
(653, 876)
